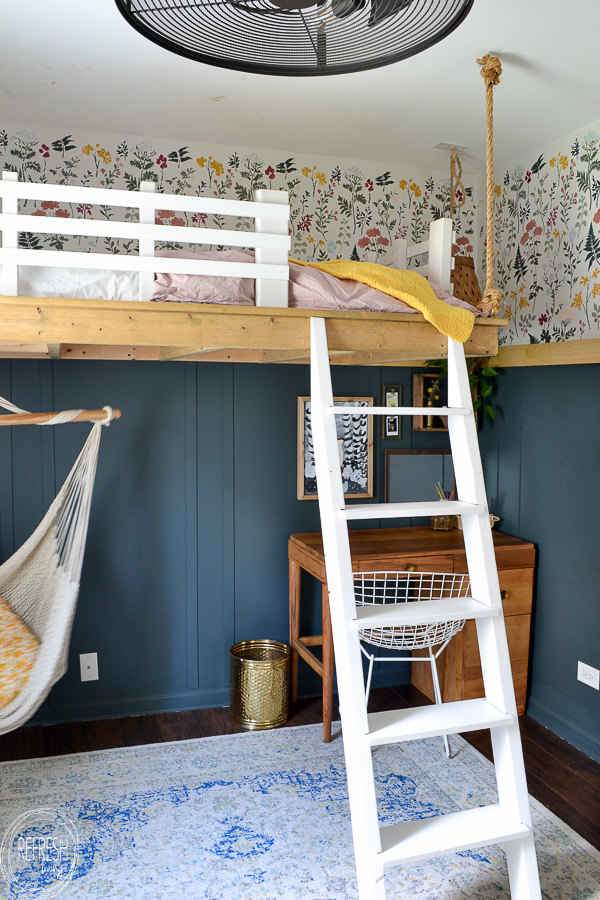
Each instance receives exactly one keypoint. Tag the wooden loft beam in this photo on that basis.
(138, 330)
(564, 353)
(23, 350)
(110, 351)
(232, 354)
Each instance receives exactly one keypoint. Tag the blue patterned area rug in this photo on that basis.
(259, 815)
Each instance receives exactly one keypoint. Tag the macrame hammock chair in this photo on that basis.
(39, 583)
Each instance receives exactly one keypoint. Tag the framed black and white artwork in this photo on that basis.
(355, 443)
(391, 426)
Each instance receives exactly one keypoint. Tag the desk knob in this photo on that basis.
(409, 567)
(504, 595)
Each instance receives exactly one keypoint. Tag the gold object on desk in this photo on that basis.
(442, 523)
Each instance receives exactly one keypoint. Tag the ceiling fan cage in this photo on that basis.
(295, 37)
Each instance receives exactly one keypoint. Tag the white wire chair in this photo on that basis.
(377, 588)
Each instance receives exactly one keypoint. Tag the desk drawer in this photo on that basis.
(517, 633)
(517, 584)
(506, 558)
(402, 563)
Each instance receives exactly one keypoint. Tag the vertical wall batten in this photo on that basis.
(7, 536)
(191, 527)
(229, 508)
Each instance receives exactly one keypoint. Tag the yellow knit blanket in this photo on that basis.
(408, 286)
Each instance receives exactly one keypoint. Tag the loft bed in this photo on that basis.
(267, 331)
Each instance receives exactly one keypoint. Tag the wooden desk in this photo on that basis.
(426, 551)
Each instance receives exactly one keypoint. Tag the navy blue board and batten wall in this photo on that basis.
(194, 501)
(196, 496)
(542, 467)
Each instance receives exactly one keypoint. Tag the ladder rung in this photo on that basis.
(411, 510)
(427, 612)
(428, 721)
(399, 410)
(465, 830)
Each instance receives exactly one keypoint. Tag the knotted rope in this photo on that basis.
(491, 69)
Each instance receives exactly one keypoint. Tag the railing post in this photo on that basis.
(10, 270)
(441, 261)
(147, 217)
(272, 292)
(400, 260)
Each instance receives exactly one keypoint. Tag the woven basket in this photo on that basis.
(464, 279)
(258, 685)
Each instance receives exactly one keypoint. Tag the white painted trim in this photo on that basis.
(146, 244)
(10, 208)
(63, 193)
(73, 260)
(150, 231)
(272, 293)
(270, 239)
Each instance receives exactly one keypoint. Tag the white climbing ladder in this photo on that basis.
(508, 822)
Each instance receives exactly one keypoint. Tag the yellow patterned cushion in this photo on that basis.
(18, 650)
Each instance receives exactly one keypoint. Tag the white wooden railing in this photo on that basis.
(270, 238)
(439, 247)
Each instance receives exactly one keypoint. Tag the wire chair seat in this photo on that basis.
(392, 588)
(378, 588)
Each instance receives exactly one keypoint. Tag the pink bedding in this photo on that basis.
(309, 288)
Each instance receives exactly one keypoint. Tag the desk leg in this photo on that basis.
(295, 575)
(328, 664)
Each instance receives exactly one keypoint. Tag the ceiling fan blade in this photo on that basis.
(343, 8)
(382, 9)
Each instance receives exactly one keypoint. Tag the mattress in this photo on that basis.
(309, 288)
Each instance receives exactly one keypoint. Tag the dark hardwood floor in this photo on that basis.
(559, 776)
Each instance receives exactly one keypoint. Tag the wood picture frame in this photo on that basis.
(355, 439)
(391, 426)
(422, 382)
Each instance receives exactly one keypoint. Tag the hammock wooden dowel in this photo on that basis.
(86, 415)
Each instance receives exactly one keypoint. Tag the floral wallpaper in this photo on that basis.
(339, 210)
(547, 222)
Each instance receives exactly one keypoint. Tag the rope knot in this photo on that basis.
(492, 301)
(491, 69)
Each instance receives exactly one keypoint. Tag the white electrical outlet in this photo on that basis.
(588, 675)
(88, 663)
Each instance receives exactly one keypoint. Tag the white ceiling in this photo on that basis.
(76, 64)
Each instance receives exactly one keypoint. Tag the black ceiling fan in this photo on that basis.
(295, 37)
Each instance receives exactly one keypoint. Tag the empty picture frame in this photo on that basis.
(355, 443)
(411, 475)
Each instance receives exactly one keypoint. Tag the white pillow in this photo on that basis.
(79, 284)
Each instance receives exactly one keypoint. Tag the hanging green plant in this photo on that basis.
(479, 382)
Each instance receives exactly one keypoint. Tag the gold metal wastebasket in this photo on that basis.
(258, 684)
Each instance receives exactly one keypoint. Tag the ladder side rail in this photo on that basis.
(491, 632)
(10, 269)
(340, 581)
(274, 292)
(479, 545)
